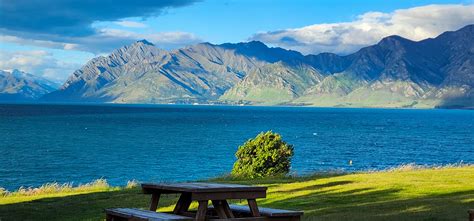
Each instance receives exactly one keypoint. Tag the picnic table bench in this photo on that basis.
(138, 214)
(220, 210)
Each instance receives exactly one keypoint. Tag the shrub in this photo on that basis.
(265, 155)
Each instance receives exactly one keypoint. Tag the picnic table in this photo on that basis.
(205, 192)
(218, 194)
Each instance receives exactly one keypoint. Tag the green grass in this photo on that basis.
(401, 194)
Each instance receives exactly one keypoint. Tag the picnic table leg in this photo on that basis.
(219, 209)
(155, 198)
(222, 209)
(108, 217)
(253, 207)
(202, 210)
(183, 203)
(227, 209)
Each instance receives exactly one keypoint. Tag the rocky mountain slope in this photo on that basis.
(396, 72)
(18, 86)
(143, 73)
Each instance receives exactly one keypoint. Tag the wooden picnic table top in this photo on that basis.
(200, 188)
(218, 193)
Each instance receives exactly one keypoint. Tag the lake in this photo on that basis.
(80, 143)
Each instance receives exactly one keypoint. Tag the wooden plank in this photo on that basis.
(138, 214)
(283, 218)
(261, 218)
(198, 187)
(108, 217)
(266, 211)
(219, 209)
(155, 199)
(183, 203)
(243, 219)
(227, 209)
(228, 195)
(222, 209)
(188, 213)
(202, 210)
(253, 207)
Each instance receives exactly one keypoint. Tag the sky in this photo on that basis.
(52, 38)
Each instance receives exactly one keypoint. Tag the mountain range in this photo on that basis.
(396, 72)
(18, 86)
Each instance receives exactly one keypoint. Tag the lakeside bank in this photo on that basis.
(404, 193)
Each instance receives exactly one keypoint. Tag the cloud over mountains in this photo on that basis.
(38, 61)
(69, 24)
(72, 25)
(75, 17)
(97, 27)
(346, 37)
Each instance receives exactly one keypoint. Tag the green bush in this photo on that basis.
(265, 155)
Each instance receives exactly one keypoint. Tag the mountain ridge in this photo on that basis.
(19, 86)
(395, 72)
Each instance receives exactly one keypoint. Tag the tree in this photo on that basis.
(265, 155)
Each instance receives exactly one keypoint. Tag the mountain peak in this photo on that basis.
(16, 85)
(393, 39)
(21, 74)
(17, 71)
(140, 47)
(394, 42)
(464, 32)
(467, 28)
(256, 43)
(145, 42)
(250, 44)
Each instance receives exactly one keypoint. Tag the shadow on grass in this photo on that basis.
(316, 186)
(88, 206)
(369, 204)
(355, 204)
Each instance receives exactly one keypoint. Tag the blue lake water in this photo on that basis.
(80, 143)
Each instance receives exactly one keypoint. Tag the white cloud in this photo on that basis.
(106, 40)
(414, 23)
(165, 39)
(39, 43)
(37, 62)
(131, 24)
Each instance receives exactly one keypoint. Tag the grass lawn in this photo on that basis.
(403, 194)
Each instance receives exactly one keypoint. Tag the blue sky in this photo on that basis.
(52, 38)
(236, 20)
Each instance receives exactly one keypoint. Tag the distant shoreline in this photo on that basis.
(231, 105)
